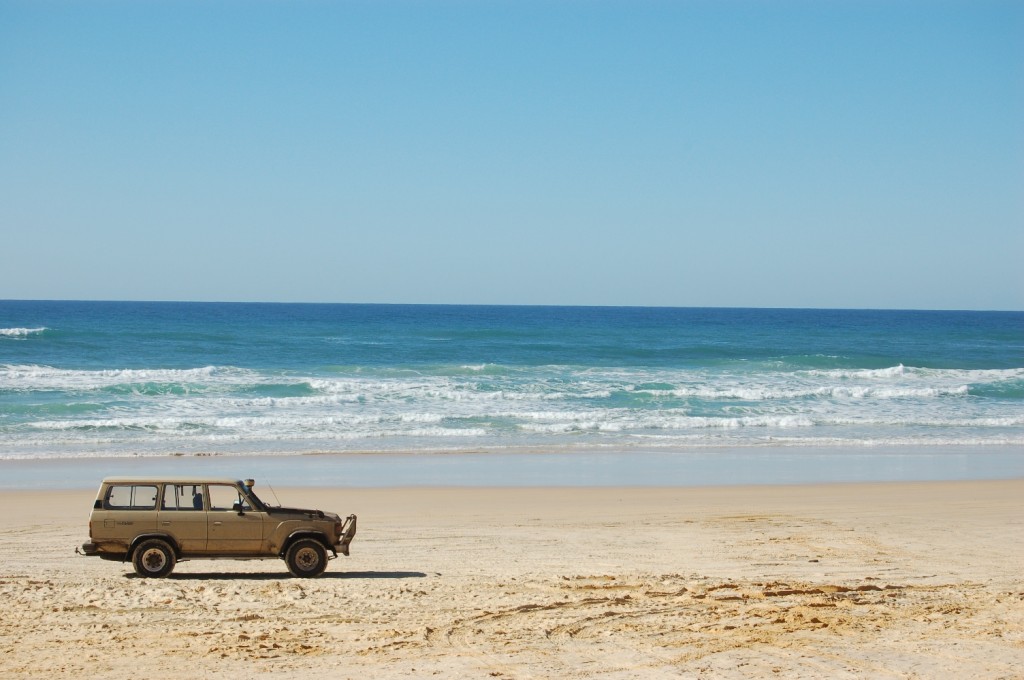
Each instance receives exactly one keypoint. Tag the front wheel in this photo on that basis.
(306, 558)
(153, 559)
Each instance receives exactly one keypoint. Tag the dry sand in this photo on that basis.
(880, 580)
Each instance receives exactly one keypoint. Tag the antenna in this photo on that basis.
(274, 493)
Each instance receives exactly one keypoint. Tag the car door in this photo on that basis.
(183, 516)
(234, 526)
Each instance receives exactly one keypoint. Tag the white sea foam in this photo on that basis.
(21, 332)
(904, 372)
(222, 408)
(33, 377)
(906, 383)
(798, 392)
(884, 373)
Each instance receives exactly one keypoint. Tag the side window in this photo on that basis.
(131, 497)
(224, 497)
(183, 497)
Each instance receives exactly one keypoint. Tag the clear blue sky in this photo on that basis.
(783, 154)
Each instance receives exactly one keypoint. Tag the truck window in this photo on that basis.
(131, 497)
(183, 497)
(224, 497)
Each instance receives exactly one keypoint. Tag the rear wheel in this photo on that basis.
(306, 558)
(153, 558)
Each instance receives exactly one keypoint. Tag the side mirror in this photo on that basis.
(237, 507)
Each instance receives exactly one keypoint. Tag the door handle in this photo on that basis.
(217, 524)
(167, 522)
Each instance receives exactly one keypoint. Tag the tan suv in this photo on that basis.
(157, 522)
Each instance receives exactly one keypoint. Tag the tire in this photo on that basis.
(153, 559)
(306, 558)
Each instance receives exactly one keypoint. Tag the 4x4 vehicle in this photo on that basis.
(158, 522)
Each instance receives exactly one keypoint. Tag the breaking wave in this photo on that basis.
(21, 332)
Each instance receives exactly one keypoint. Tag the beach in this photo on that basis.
(646, 340)
(812, 581)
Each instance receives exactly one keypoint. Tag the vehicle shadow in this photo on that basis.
(282, 576)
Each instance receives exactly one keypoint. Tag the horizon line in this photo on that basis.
(507, 304)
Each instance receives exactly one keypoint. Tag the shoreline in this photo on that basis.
(713, 467)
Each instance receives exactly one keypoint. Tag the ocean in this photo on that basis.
(140, 380)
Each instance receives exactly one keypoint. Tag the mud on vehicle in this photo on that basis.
(156, 522)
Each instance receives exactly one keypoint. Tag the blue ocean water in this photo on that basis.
(98, 379)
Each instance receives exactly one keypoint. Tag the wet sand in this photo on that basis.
(847, 580)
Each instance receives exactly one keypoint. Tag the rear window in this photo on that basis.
(131, 497)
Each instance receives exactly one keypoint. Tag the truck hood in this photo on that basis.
(303, 512)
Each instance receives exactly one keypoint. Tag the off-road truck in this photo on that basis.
(157, 522)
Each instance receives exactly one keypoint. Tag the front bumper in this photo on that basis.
(348, 532)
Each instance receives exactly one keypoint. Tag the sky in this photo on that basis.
(860, 154)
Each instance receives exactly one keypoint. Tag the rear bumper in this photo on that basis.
(348, 532)
(91, 549)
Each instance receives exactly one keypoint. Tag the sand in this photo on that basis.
(827, 581)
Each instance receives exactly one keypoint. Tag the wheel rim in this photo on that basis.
(154, 559)
(307, 559)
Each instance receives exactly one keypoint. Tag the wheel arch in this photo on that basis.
(167, 538)
(306, 533)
